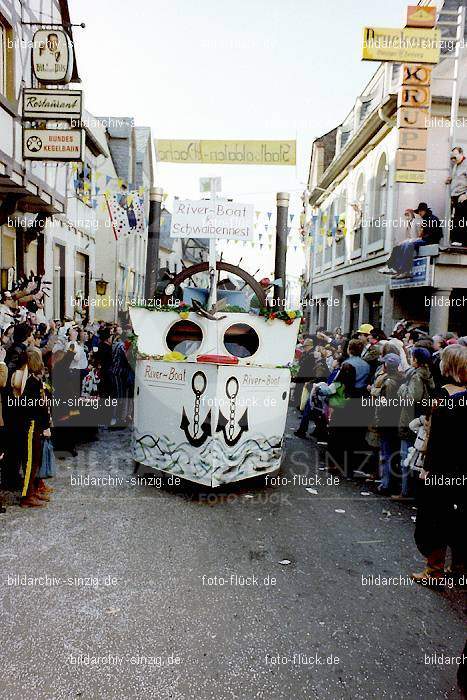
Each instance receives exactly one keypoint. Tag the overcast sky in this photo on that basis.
(247, 69)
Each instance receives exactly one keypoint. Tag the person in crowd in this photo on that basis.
(414, 394)
(305, 370)
(458, 182)
(428, 232)
(23, 337)
(320, 372)
(342, 440)
(372, 338)
(385, 387)
(34, 424)
(361, 367)
(66, 386)
(442, 509)
(7, 337)
(104, 359)
(120, 370)
(79, 363)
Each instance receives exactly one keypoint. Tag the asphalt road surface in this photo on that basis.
(258, 591)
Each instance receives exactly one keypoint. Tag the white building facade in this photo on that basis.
(356, 210)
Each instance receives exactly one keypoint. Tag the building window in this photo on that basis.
(81, 278)
(354, 309)
(365, 110)
(358, 213)
(340, 220)
(328, 239)
(59, 281)
(375, 309)
(6, 59)
(380, 200)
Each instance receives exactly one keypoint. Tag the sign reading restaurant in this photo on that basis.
(401, 45)
(53, 144)
(52, 104)
(52, 56)
(227, 152)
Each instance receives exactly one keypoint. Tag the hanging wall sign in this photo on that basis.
(53, 144)
(52, 104)
(52, 56)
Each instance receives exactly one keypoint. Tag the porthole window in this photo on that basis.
(185, 337)
(241, 340)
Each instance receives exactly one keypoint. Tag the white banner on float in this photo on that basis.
(212, 219)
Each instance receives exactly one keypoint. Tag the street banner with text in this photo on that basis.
(226, 152)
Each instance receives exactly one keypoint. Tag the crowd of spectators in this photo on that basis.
(392, 411)
(60, 381)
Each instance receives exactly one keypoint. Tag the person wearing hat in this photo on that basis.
(370, 338)
(414, 395)
(385, 387)
(429, 232)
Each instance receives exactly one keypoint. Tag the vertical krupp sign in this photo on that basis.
(413, 113)
(417, 47)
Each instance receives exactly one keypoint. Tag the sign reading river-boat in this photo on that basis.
(214, 218)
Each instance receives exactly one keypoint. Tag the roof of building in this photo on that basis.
(119, 139)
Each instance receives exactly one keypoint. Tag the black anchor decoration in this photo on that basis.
(195, 439)
(228, 426)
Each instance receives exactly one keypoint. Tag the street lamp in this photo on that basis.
(101, 286)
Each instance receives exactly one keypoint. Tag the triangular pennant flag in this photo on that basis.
(269, 213)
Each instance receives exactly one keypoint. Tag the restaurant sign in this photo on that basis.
(52, 104)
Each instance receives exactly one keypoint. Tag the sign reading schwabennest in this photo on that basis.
(52, 56)
(401, 45)
(53, 144)
(227, 152)
(212, 219)
(52, 104)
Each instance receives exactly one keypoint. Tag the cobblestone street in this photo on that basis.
(185, 578)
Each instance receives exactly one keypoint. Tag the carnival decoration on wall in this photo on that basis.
(126, 211)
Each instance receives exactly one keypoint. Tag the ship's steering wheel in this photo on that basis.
(190, 272)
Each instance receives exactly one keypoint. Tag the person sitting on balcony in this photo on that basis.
(429, 232)
(458, 182)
